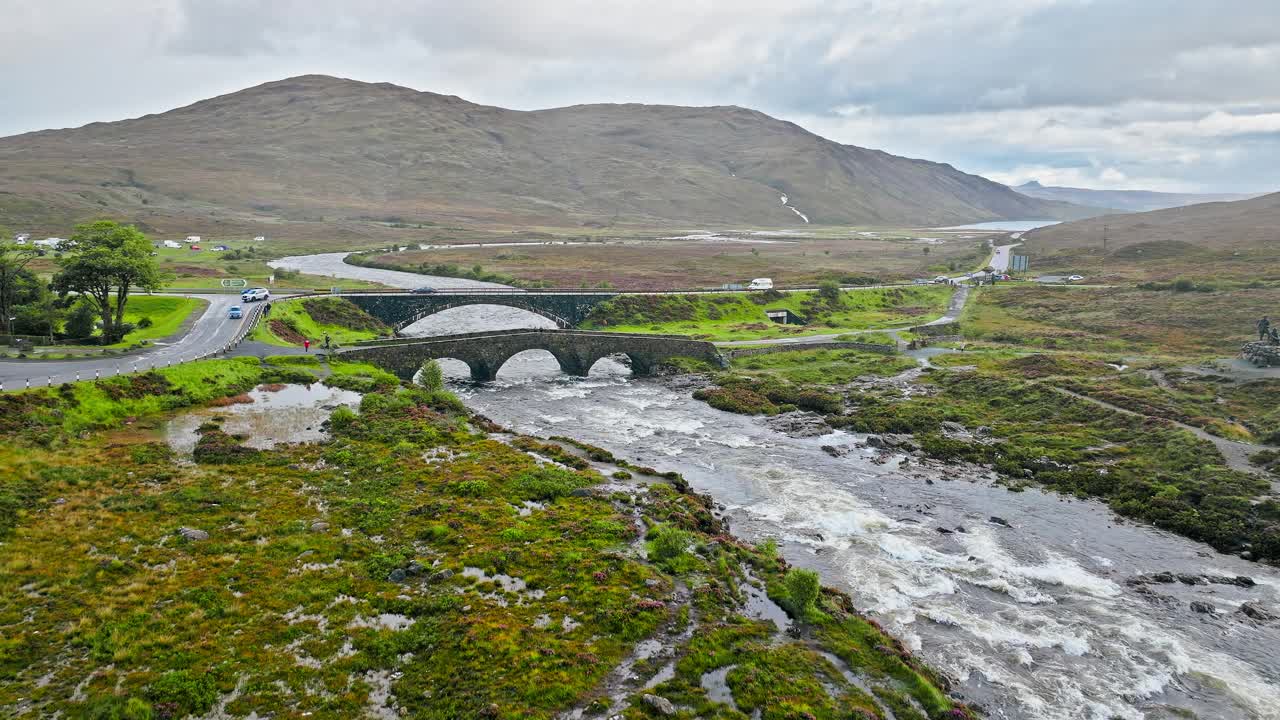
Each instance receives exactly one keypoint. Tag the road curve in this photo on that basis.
(210, 331)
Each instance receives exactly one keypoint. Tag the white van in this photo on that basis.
(761, 284)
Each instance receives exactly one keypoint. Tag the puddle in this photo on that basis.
(293, 414)
(760, 607)
(716, 686)
(508, 584)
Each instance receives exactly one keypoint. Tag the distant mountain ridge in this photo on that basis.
(315, 148)
(1123, 200)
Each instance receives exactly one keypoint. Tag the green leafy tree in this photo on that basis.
(802, 587)
(102, 263)
(13, 274)
(80, 321)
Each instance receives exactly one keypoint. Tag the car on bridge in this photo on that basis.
(424, 290)
(235, 313)
(255, 294)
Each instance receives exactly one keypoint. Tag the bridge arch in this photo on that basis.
(464, 301)
(486, 352)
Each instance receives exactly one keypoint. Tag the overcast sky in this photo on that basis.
(1149, 94)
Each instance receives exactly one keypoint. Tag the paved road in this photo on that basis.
(209, 332)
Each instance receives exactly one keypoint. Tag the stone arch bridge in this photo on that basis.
(566, 308)
(486, 352)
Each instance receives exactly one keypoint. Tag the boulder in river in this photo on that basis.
(799, 424)
(997, 520)
(1203, 607)
(1255, 611)
(835, 451)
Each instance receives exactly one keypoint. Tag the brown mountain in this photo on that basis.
(316, 147)
(1231, 240)
(1124, 200)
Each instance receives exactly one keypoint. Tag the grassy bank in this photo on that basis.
(312, 318)
(741, 316)
(1023, 426)
(1122, 320)
(412, 565)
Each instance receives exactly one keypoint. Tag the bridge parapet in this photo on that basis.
(403, 309)
(575, 351)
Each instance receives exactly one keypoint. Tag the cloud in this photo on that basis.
(1177, 93)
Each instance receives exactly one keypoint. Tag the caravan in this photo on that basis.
(761, 284)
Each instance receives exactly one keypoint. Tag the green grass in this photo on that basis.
(167, 314)
(1119, 320)
(741, 316)
(313, 318)
(406, 515)
(821, 367)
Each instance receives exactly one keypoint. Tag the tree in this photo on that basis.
(13, 274)
(79, 322)
(802, 587)
(103, 261)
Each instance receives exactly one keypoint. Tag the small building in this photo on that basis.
(173, 244)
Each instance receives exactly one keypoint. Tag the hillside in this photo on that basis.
(1123, 200)
(317, 148)
(1226, 240)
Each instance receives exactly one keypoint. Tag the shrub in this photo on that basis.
(431, 377)
(80, 322)
(802, 589)
(190, 692)
(669, 542)
(145, 322)
(547, 483)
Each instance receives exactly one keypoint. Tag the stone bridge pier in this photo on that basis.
(485, 353)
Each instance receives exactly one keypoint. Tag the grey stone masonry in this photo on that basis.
(399, 310)
(1261, 354)
(575, 350)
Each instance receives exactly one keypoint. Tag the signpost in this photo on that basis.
(234, 282)
(1018, 263)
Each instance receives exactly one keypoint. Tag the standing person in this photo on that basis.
(306, 345)
(1264, 326)
(326, 341)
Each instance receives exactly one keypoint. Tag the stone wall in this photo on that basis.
(770, 349)
(951, 328)
(576, 351)
(1261, 354)
(402, 309)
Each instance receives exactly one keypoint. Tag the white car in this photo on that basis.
(255, 294)
(1075, 278)
(942, 279)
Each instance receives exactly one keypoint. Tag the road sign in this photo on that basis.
(234, 282)
(1018, 263)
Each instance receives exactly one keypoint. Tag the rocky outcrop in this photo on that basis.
(1261, 354)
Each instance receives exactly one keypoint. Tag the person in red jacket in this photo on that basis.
(306, 345)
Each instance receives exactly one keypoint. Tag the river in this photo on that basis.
(1035, 620)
